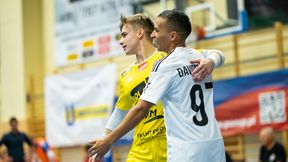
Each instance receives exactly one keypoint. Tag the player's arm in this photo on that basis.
(122, 107)
(212, 58)
(115, 119)
(134, 116)
(27, 140)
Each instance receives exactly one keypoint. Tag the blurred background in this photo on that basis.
(60, 60)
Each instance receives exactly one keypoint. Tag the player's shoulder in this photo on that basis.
(163, 63)
(126, 71)
(195, 51)
(190, 50)
(161, 54)
(200, 51)
(158, 55)
(8, 134)
(22, 133)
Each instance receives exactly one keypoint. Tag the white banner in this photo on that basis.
(77, 105)
(86, 30)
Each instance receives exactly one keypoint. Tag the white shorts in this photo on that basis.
(204, 151)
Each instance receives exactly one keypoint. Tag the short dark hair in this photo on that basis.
(138, 21)
(12, 119)
(177, 21)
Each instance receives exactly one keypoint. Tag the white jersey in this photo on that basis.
(192, 130)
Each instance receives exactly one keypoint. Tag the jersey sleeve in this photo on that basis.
(215, 55)
(123, 102)
(158, 84)
(116, 118)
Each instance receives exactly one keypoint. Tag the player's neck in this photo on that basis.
(175, 45)
(145, 50)
(14, 131)
(271, 145)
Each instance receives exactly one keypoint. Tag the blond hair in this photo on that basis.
(138, 21)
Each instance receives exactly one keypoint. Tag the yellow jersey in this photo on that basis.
(132, 82)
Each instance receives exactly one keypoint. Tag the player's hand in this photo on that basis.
(204, 68)
(98, 149)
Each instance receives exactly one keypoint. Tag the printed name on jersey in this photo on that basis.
(186, 70)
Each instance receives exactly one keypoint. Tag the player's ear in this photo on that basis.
(173, 35)
(140, 33)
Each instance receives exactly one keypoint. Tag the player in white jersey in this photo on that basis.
(192, 130)
(193, 134)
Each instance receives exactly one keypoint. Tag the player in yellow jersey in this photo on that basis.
(150, 132)
(149, 144)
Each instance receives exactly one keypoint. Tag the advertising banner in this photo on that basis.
(245, 105)
(87, 30)
(77, 105)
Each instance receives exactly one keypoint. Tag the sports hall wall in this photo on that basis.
(26, 45)
(12, 72)
(21, 55)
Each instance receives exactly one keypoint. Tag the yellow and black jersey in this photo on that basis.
(132, 82)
